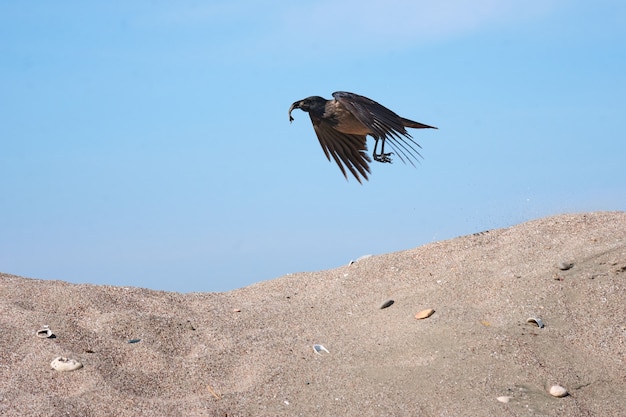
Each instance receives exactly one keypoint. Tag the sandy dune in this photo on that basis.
(249, 352)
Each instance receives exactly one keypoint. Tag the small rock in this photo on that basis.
(558, 391)
(424, 314)
(386, 304)
(564, 266)
(504, 399)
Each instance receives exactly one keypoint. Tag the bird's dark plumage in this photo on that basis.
(343, 124)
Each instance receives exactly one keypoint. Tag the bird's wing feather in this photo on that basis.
(382, 122)
(378, 118)
(348, 151)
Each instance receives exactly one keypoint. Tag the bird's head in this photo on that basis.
(314, 104)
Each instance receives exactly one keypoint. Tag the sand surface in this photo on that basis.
(249, 352)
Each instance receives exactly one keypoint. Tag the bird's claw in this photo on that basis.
(383, 157)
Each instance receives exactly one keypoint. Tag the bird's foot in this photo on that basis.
(383, 157)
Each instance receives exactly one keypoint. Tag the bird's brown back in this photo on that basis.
(343, 120)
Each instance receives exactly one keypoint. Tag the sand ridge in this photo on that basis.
(197, 356)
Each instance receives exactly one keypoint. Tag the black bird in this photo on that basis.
(343, 124)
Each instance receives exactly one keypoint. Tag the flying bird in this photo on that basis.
(342, 126)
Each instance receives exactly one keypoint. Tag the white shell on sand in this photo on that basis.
(360, 259)
(65, 364)
(44, 332)
(319, 348)
(558, 391)
(424, 314)
(504, 399)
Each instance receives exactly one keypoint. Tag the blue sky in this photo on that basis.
(146, 143)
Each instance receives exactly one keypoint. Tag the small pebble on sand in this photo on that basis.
(564, 266)
(424, 314)
(558, 391)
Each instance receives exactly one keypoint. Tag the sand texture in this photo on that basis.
(249, 352)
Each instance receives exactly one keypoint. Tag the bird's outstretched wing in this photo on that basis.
(348, 151)
(383, 124)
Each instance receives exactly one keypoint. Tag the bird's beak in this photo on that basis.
(294, 106)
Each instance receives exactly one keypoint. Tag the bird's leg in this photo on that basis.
(382, 156)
